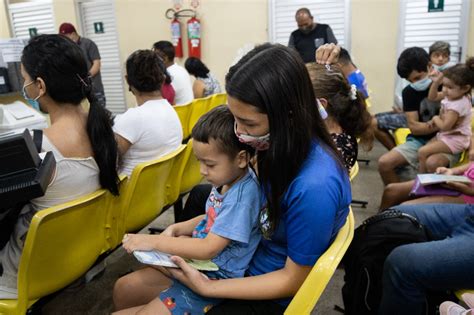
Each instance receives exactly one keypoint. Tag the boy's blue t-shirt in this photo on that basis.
(358, 79)
(234, 215)
(314, 207)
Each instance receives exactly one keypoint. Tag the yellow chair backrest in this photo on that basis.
(198, 108)
(191, 172)
(62, 243)
(174, 179)
(354, 171)
(114, 215)
(312, 288)
(145, 194)
(184, 113)
(217, 99)
(400, 135)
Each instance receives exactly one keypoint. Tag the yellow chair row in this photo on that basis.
(310, 291)
(190, 113)
(64, 241)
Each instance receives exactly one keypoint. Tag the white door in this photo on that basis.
(30, 18)
(98, 24)
(335, 13)
(421, 28)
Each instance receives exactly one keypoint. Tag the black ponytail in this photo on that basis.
(62, 66)
(102, 138)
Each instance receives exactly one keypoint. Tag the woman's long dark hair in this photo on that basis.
(62, 66)
(274, 79)
(196, 67)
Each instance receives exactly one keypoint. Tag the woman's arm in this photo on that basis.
(122, 143)
(195, 248)
(281, 283)
(198, 88)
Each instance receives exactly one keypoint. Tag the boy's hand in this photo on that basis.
(132, 242)
(171, 231)
(436, 76)
(444, 171)
(327, 54)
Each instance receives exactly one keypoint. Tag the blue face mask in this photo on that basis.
(443, 67)
(32, 101)
(421, 85)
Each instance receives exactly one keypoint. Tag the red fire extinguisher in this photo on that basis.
(194, 37)
(176, 37)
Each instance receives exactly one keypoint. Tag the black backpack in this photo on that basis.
(363, 262)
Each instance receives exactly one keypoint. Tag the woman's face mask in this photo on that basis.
(421, 85)
(259, 143)
(32, 101)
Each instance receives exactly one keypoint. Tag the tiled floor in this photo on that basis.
(96, 296)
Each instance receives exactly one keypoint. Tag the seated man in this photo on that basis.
(414, 65)
(445, 263)
(180, 79)
(352, 73)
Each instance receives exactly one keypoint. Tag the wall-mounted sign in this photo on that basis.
(435, 5)
(99, 28)
(33, 31)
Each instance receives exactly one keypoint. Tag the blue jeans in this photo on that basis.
(447, 263)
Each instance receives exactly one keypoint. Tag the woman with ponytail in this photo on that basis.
(56, 81)
(347, 115)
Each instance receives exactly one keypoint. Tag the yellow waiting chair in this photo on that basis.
(145, 194)
(316, 281)
(184, 113)
(191, 172)
(198, 108)
(217, 99)
(190, 177)
(174, 179)
(400, 135)
(62, 243)
(115, 234)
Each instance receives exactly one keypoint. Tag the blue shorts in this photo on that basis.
(181, 300)
(391, 120)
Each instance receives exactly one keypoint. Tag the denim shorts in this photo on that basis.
(391, 120)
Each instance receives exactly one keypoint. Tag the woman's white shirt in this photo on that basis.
(153, 129)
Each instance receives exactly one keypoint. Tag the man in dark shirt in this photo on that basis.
(309, 35)
(414, 65)
(91, 52)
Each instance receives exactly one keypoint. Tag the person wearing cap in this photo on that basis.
(309, 35)
(91, 52)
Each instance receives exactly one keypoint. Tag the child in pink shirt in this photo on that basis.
(454, 122)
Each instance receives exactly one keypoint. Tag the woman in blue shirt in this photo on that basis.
(306, 186)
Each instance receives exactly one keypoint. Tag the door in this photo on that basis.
(31, 18)
(98, 24)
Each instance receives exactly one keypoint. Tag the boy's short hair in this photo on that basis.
(344, 57)
(440, 46)
(218, 124)
(166, 48)
(412, 59)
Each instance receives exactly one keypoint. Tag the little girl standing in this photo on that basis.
(454, 121)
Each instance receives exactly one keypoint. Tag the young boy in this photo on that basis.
(352, 73)
(414, 65)
(228, 233)
(440, 53)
